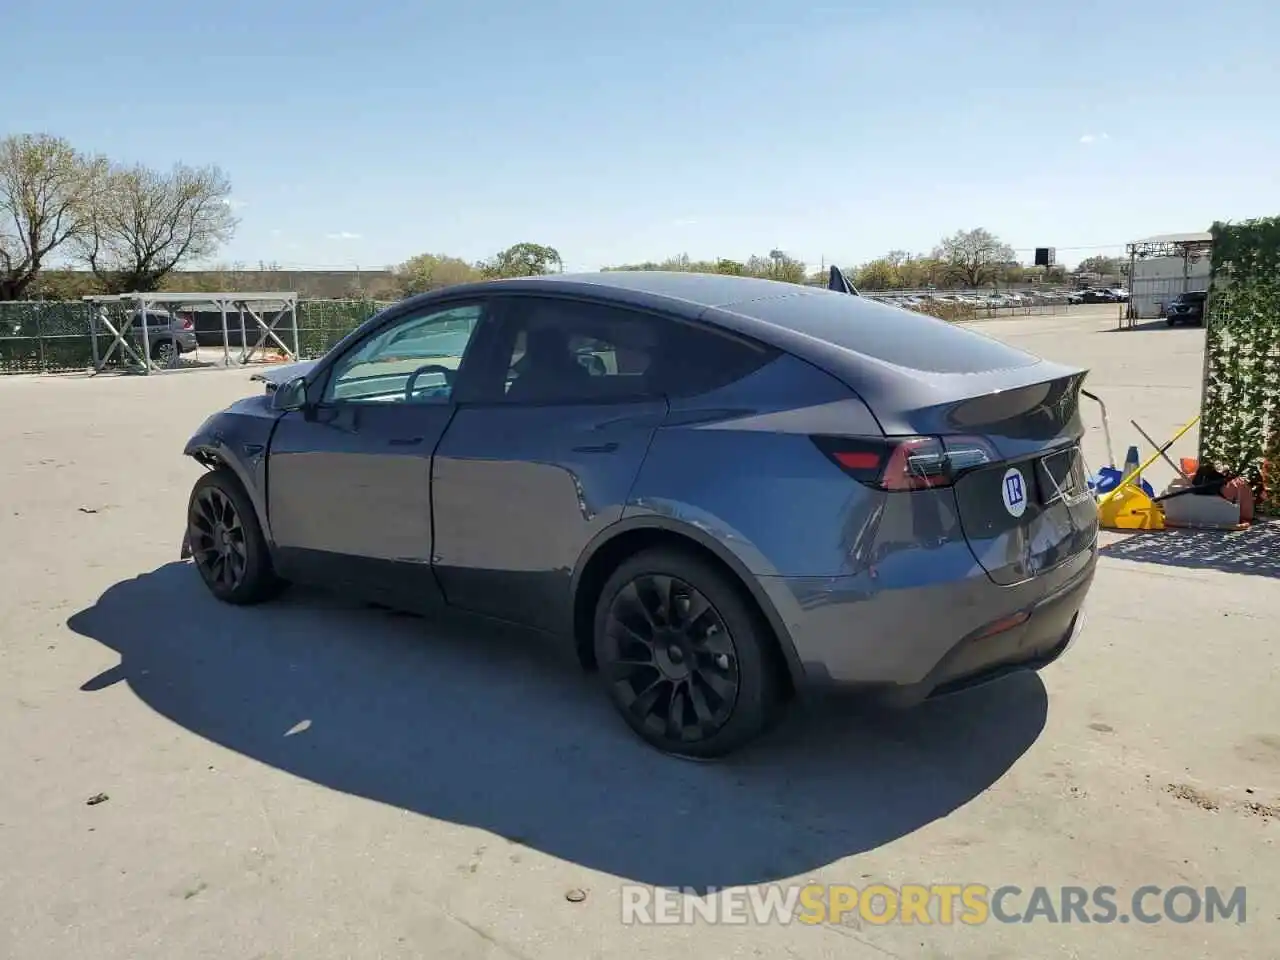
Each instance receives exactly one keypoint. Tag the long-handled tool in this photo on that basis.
(1161, 450)
(1106, 427)
(1130, 479)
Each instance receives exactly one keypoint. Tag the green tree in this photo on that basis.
(879, 274)
(523, 260)
(46, 190)
(974, 257)
(430, 271)
(144, 224)
(776, 266)
(1105, 266)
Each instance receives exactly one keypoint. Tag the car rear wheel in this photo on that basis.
(226, 541)
(1170, 321)
(164, 352)
(683, 655)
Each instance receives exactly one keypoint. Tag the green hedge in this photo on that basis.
(322, 323)
(1240, 409)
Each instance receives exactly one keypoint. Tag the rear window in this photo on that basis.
(901, 337)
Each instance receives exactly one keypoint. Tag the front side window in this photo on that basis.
(415, 360)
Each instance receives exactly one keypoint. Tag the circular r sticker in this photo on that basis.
(1014, 491)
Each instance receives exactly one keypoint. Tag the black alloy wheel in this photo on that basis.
(683, 656)
(226, 541)
(164, 353)
(676, 668)
(217, 539)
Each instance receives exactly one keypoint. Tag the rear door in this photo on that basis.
(528, 475)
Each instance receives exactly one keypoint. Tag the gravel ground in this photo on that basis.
(313, 780)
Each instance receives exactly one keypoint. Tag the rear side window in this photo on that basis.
(901, 337)
(572, 351)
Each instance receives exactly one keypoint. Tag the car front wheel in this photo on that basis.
(684, 657)
(226, 541)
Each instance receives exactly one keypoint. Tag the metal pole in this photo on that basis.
(243, 336)
(146, 339)
(94, 319)
(226, 346)
(293, 320)
(40, 338)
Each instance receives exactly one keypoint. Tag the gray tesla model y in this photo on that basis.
(722, 491)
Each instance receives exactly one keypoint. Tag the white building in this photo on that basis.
(1164, 266)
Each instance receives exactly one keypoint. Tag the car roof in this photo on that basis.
(834, 331)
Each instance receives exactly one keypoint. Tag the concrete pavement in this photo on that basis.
(309, 779)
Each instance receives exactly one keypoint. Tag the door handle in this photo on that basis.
(406, 441)
(598, 448)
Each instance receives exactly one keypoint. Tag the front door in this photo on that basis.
(349, 480)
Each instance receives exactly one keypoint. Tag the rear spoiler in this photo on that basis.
(838, 282)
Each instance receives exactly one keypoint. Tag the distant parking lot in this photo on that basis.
(313, 779)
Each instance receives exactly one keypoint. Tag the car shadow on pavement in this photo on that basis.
(1255, 550)
(486, 727)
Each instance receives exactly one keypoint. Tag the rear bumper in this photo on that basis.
(906, 645)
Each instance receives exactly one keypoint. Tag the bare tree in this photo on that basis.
(147, 223)
(974, 257)
(46, 188)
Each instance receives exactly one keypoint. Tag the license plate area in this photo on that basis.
(1060, 477)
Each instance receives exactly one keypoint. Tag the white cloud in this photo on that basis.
(1090, 138)
(235, 204)
(342, 235)
(687, 222)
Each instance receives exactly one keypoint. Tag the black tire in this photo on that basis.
(721, 691)
(165, 352)
(226, 541)
(1170, 321)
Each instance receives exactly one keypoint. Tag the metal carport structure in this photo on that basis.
(120, 315)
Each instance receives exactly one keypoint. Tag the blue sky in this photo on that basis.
(360, 134)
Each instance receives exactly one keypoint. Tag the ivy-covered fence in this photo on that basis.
(322, 323)
(58, 336)
(1240, 409)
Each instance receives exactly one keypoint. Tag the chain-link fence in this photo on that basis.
(322, 323)
(63, 336)
(45, 337)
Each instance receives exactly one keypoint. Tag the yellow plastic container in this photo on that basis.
(1128, 508)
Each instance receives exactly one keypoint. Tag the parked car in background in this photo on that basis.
(1098, 295)
(759, 489)
(1187, 308)
(169, 335)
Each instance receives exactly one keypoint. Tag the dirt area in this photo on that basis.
(313, 780)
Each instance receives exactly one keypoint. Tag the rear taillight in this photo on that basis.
(906, 463)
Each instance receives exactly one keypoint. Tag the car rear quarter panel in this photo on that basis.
(739, 464)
